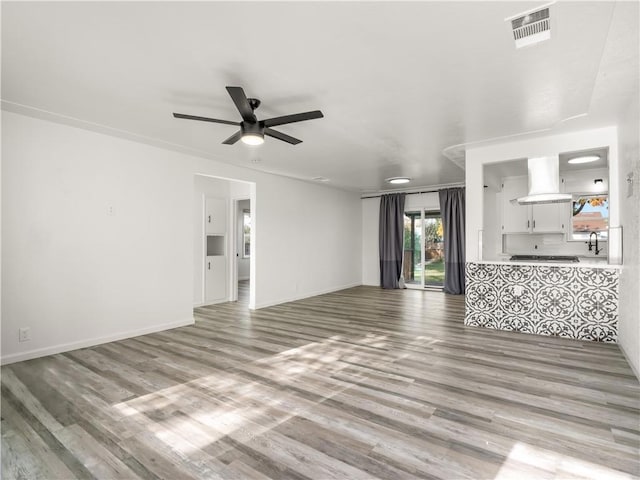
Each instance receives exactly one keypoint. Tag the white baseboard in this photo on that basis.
(628, 358)
(90, 342)
(306, 295)
(215, 302)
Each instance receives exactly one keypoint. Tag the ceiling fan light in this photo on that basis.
(584, 159)
(398, 180)
(252, 139)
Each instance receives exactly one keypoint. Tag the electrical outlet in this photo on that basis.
(110, 211)
(24, 334)
(518, 290)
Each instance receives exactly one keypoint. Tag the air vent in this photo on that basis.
(531, 28)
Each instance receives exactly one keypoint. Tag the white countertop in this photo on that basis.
(585, 262)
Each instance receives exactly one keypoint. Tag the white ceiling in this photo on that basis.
(398, 82)
(516, 167)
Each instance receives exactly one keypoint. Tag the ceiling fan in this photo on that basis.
(252, 130)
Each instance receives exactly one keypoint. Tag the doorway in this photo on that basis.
(243, 227)
(219, 242)
(423, 259)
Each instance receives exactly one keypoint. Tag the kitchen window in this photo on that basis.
(589, 213)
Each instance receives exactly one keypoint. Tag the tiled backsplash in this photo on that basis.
(548, 244)
(572, 302)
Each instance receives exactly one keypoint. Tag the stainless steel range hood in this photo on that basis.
(544, 182)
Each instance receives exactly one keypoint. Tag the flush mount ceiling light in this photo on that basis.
(252, 139)
(398, 180)
(584, 159)
(252, 134)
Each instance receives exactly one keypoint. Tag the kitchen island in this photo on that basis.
(572, 300)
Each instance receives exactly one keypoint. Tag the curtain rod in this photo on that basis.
(417, 192)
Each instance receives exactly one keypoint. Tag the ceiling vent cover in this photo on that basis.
(531, 28)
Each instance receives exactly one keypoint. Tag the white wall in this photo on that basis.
(629, 319)
(73, 273)
(243, 263)
(313, 243)
(491, 235)
(370, 233)
(370, 245)
(78, 276)
(477, 157)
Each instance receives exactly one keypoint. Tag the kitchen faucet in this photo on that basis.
(596, 244)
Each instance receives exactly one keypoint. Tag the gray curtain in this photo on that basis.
(391, 228)
(453, 216)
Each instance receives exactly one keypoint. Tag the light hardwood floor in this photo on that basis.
(360, 384)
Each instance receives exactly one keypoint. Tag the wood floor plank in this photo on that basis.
(25, 454)
(93, 455)
(363, 383)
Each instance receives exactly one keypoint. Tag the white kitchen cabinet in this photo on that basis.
(548, 218)
(541, 218)
(215, 278)
(215, 216)
(515, 218)
(216, 255)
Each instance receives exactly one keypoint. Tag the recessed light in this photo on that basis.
(585, 159)
(398, 180)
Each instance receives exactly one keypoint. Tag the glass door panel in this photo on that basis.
(412, 262)
(433, 250)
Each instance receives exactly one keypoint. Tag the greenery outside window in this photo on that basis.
(246, 234)
(423, 261)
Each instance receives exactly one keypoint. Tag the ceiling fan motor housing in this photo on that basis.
(252, 128)
(253, 103)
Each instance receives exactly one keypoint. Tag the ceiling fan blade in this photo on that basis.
(204, 119)
(281, 136)
(233, 138)
(296, 117)
(242, 104)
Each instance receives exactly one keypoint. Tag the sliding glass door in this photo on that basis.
(423, 263)
(412, 261)
(433, 250)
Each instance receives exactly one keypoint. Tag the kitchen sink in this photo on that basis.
(545, 258)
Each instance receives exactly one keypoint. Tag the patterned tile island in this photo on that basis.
(569, 301)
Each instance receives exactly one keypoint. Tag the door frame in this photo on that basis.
(424, 215)
(419, 286)
(234, 240)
